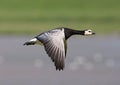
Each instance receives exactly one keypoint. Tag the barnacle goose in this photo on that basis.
(54, 42)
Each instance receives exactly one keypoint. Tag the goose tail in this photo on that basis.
(31, 42)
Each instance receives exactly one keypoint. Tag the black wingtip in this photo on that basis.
(59, 68)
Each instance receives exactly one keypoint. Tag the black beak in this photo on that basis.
(93, 33)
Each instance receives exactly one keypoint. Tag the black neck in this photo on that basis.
(70, 32)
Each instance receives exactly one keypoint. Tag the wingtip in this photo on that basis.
(59, 69)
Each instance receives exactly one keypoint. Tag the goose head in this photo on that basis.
(88, 32)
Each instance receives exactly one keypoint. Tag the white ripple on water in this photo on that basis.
(38, 63)
(89, 66)
(77, 62)
(110, 63)
(98, 58)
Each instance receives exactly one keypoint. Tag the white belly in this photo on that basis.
(39, 43)
(36, 41)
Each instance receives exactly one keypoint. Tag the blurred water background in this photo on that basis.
(90, 61)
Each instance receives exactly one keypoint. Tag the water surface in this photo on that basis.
(91, 60)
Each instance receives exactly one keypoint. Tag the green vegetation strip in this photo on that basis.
(35, 16)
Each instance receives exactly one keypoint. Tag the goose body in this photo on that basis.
(54, 42)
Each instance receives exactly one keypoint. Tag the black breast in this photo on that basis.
(68, 33)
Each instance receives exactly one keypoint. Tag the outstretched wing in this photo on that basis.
(55, 47)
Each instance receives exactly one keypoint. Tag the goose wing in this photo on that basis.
(55, 47)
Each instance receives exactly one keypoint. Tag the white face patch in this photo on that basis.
(88, 32)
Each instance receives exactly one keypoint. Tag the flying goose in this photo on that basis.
(54, 42)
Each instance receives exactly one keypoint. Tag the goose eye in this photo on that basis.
(89, 31)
